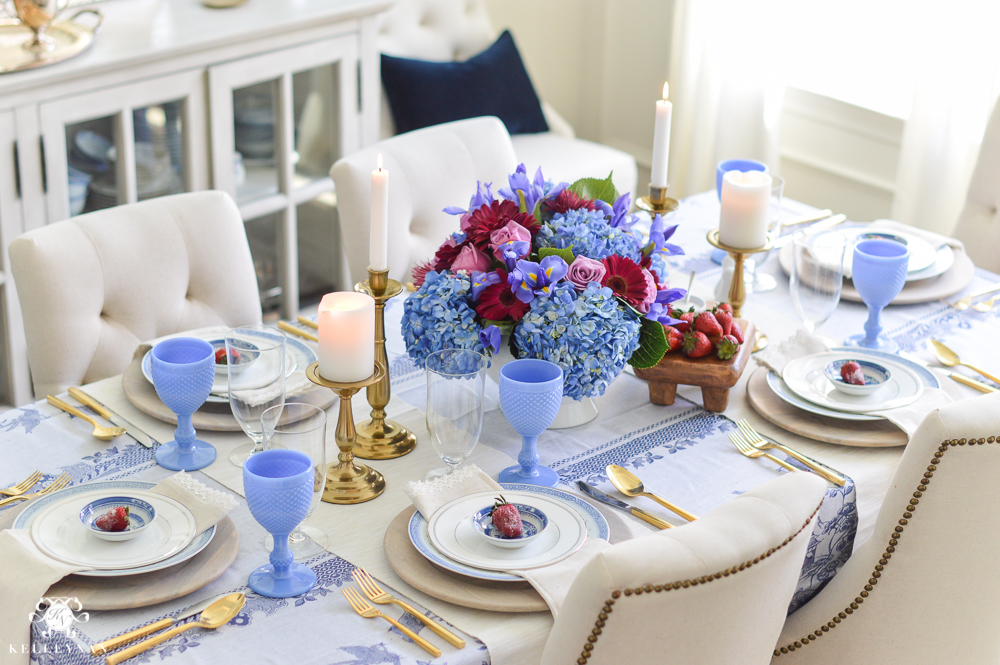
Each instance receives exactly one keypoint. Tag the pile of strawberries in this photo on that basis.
(700, 334)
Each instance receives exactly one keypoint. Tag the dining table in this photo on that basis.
(681, 452)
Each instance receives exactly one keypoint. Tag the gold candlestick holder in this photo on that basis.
(657, 203)
(348, 481)
(379, 438)
(737, 288)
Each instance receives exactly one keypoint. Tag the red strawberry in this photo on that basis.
(507, 519)
(725, 320)
(851, 373)
(115, 519)
(737, 332)
(707, 323)
(222, 359)
(687, 319)
(675, 338)
(726, 347)
(724, 307)
(697, 344)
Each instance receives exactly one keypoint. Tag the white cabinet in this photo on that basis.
(257, 101)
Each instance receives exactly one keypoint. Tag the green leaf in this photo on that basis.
(652, 345)
(592, 188)
(566, 254)
(521, 206)
(506, 327)
(648, 249)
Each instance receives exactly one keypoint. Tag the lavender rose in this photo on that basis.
(583, 271)
(471, 259)
(650, 293)
(512, 232)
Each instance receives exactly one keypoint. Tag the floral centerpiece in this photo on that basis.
(557, 270)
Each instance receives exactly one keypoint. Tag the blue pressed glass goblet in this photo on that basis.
(183, 371)
(879, 273)
(531, 391)
(279, 489)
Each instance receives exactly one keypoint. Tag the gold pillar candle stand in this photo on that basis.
(657, 203)
(379, 438)
(348, 481)
(737, 288)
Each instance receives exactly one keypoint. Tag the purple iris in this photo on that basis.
(534, 191)
(512, 251)
(619, 213)
(659, 310)
(480, 280)
(659, 234)
(483, 196)
(490, 338)
(530, 279)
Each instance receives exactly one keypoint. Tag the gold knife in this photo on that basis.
(961, 378)
(289, 328)
(111, 417)
(102, 648)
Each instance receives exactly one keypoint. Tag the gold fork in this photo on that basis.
(23, 486)
(374, 593)
(756, 440)
(987, 305)
(362, 607)
(57, 484)
(966, 302)
(750, 451)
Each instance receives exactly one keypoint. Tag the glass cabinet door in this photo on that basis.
(131, 143)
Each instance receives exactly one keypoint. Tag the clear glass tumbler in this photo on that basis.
(817, 276)
(256, 365)
(456, 379)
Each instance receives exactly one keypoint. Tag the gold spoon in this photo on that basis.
(100, 432)
(948, 357)
(217, 614)
(986, 306)
(629, 485)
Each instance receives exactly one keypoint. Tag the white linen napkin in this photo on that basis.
(906, 418)
(27, 572)
(551, 582)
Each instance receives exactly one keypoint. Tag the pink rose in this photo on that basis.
(471, 259)
(583, 271)
(510, 233)
(650, 292)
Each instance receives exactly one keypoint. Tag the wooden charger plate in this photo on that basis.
(130, 591)
(863, 434)
(451, 587)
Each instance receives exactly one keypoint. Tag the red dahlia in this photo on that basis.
(486, 219)
(446, 255)
(497, 302)
(567, 201)
(625, 278)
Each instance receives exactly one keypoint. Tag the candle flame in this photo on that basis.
(666, 90)
(378, 162)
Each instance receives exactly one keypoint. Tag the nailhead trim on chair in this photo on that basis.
(893, 541)
(602, 617)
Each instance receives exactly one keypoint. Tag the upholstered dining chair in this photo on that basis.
(924, 588)
(979, 224)
(429, 169)
(95, 286)
(445, 30)
(711, 592)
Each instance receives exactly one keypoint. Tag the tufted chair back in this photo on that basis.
(95, 286)
(979, 224)
(713, 591)
(924, 587)
(429, 169)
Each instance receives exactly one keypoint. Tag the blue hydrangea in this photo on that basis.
(589, 335)
(589, 234)
(659, 266)
(439, 316)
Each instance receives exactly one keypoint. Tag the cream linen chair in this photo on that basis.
(443, 30)
(979, 224)
(714, 591)
(924, 588)
(429, 169)
(95, 286)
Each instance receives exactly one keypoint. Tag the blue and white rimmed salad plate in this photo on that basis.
(56, 529)
(595, 527)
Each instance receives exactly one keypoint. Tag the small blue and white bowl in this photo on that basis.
(247, 350)
(876, 376)
(140, 515)
(532, 518)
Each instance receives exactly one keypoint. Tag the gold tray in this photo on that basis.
(70, 39)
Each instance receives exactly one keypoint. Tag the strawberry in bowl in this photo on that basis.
(117, 518)
(509, 525)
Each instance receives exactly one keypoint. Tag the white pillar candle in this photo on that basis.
(746, 200)
(378, 249)
(346, 336)
(661, 140)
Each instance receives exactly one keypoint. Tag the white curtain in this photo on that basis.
(958, 48)
(726, 86)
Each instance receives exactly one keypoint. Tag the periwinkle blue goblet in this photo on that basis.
(879, 273)
(183, 372)
(531, 391)
(278, 485)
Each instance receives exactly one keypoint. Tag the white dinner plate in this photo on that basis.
(59, 533)
(297, 356)
(922, 253)
(452, 532)
(805, 376)
(786, 394)
(597, 527)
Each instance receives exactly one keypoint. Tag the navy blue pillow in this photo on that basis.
(495, 82)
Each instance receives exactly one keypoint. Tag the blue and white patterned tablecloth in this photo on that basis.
(316, 627)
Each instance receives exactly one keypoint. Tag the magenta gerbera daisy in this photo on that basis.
(567, 201)
(626, 279)
(498, 303)
(420, 272)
